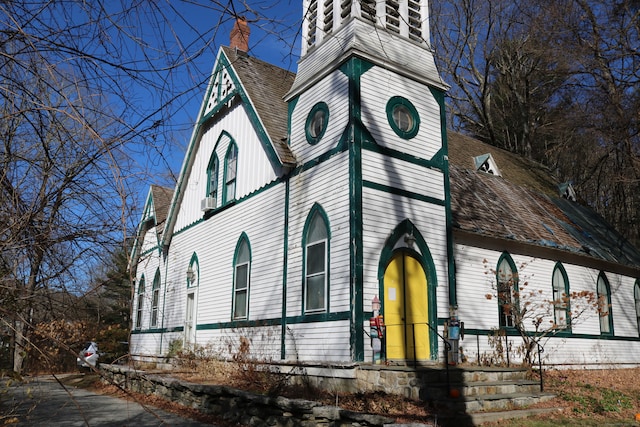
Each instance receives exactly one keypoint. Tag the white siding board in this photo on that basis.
(254, 167)
(328, 185)
(326, 341)
(383, 214)
(377, 87)
(397, 173)
(216, 240)
(334, 89)
(480, 312)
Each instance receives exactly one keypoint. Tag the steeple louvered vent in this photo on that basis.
(406, 18)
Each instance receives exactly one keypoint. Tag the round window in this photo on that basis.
(403, 117)
(317, 122)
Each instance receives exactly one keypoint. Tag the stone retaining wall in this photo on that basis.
(238, 406)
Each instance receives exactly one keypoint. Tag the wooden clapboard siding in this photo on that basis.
(332, 90)
(375, 96)
(214, 241)
(254, 169)
(327, 185)
(480, 312)
(383, 214)
(325, 341)
(623, 302)
(392, 172)
(145, 344)
(150, 240)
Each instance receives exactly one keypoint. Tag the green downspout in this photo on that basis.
(453, 299)
(283, 320)
(354, 69)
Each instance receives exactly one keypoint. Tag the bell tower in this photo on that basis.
(389, 33)
(366, 122)
(407, 18)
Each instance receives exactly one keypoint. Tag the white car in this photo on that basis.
(88, 357)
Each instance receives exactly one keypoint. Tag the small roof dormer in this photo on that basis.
(567, 191)
(485, 163)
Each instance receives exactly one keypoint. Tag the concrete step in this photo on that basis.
(479, 418)
(494, 402)
(442, 390)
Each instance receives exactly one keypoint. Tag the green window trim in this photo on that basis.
(241, 279)
(507, 289)
(316, 237)
(155, 300)
(193, 272)
(403, 117)
(603, 291)
(561, 298)
(317, 123)
(636, 297)
(140, 303)
(212, 176)
(230, 173)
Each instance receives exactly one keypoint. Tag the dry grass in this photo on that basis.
(588, 397)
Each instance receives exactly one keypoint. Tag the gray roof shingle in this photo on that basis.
(266, 85)
(524, 205)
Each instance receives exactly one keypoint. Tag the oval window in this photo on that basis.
(403, 117)
(317, 122)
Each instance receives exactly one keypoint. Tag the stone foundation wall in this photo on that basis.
(238, 406)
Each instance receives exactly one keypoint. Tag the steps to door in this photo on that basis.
(459, 389)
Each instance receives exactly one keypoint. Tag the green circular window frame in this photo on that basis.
(397, 101)
(320, 106)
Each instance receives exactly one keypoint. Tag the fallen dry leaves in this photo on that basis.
(611, 395)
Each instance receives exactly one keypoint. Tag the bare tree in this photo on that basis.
(555, 81)
(605, 43)
(88, 99)
(532, 313)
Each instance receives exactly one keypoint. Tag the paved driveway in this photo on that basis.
(43, 402)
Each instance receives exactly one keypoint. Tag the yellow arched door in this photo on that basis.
(406, 310)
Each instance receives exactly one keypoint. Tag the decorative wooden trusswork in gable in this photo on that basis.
(222, 90)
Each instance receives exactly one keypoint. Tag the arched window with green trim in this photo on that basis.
(193, 272)
(636, 297)
(604, 305)
(241, 279)
(507, 288)
(316, 261)
(561, 308)
(140, 303)
(230, 173)
(212, 176)
(155, 300)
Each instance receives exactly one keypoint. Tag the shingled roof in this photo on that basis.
(523, 205)
(266, 85)
(161, 201)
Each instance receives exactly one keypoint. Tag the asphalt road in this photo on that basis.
(43, 402)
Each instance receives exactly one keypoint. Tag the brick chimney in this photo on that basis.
(240, 35)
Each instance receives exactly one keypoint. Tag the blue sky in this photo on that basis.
(275, 38)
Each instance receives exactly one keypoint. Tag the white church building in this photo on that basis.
(303, 197)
